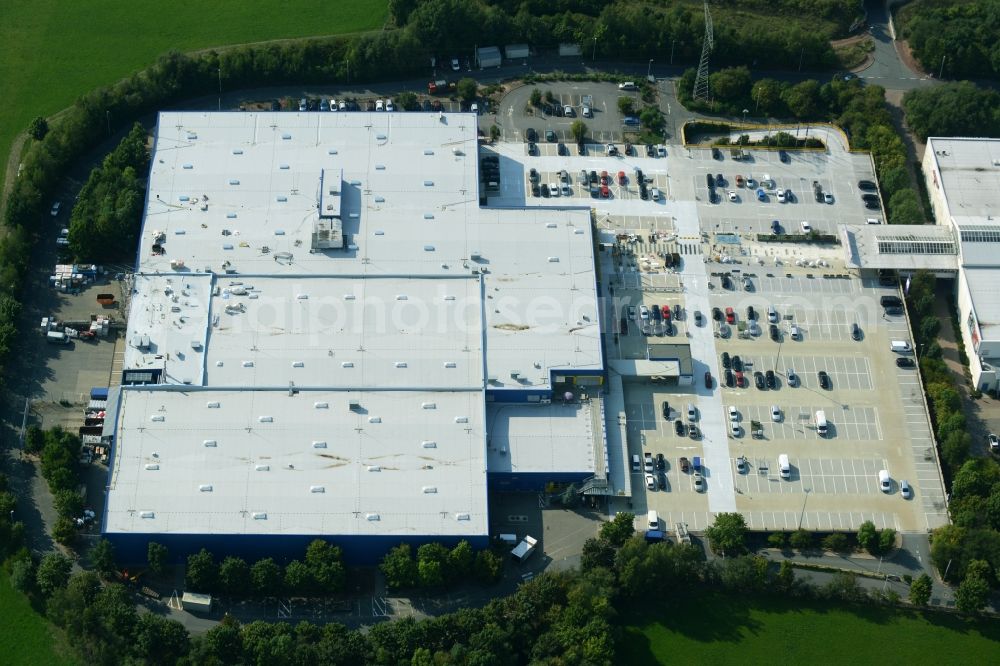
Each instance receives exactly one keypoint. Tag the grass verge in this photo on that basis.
(26, 637)
(716, 628)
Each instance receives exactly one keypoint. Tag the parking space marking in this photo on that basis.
(846, 373)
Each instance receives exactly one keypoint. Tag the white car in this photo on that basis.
(994, 442)
(474, 108)
(734, 414)
(54, 211)
(333, 105)
(735, 429)
(781, 196)
(586, 112)
(389, 106)
(791, 377)
(554, 189)
(643, 312)
(455, 66)
(827, 197)
(733, 196)
(303, 105)
(650, 482)
(775, 413)
(342, 105)
(905, 490)
(566, 190)
(805, 227)
(628, 85)
(699, 482)
(380, 105)
(654, 194)
(661, 151)
(751, 183)
(568, 111)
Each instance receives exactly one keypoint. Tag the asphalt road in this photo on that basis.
(888, 70)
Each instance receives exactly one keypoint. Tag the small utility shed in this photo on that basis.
(517, 51)
(488, 56)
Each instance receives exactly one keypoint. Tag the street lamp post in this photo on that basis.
(220, 88)
(672, 43)
(745, 112)
(594, 56)
(941, 72)
(803, 512)
(801, 55)
(107, 116)
(649, 69)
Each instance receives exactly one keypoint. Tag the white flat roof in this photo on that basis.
(969, 170)
(430, 299)
(266, 462)
(558, 437)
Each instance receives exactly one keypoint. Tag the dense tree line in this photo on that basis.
(636, 29)
(436, 565)
(953, 109)
(954, 37)
(860, 110)
(59, 453)
(106, 218)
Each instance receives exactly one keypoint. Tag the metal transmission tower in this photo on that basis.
(701, 80)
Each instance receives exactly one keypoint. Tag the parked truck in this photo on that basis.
(440, 87)
(523, 550)
(57, 337)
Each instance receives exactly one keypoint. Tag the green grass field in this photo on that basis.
(720, 629)
(52, 51)
(25, 638)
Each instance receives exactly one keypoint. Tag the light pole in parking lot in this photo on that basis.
(594, 56)
(803, 512)
(672, 43)
(745, 112)
(649, 70)
(220, 89)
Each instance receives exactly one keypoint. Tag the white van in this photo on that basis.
(795, 332)
(821, 424)
(884, 482)
(636, 463)
(783, 467)
(692, 413)
(652, 520)
(900, 346)
(509, 539)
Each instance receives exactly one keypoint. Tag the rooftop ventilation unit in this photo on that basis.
(205, 488)
(259, 515)
(372, 516)
(212, 405)
(317, 489)
(427, 444)
(319, 445)
(152, 467)
(263, 468)
(354, 406)
(429, 490)
(265, 419)
(321, 405)
(146, 514)
(210, 443)
(374, 468)
(462, 516)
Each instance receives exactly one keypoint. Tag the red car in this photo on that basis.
(708, 379)
(605, 192)
(604, 178)
(730, 316)
(621, 177)
(739, 379)
(665, 310)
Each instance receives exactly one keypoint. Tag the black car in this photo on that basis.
(650, 150)
(867, 185)
(819, 196)
(716, 154)
(775, 335)
(679, 427)
(665, 408)
(545, 191)
(532, 148)
(730, 378)
(737, 364)
(536, 190)
(726, 361)
(639, 177)
(727, 282)
(693, 431)
(855, 332)
(869, 197)
(550, 136)
(904, 362)
(710, 181)
(427, 106)
(623, 326)
(783, 156)
(643, 192)
(824, 381)
(655, 311)
(677, 311)
(708, 380)
(275, 105)
(562, 149)
(661, 462)
(751, 313)
(593, 178)
(719, 180)
(662, 478)
(772, 381)
(533, 175)
(758, 379)
(716, 314)
(531, 135)
(872, 205)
